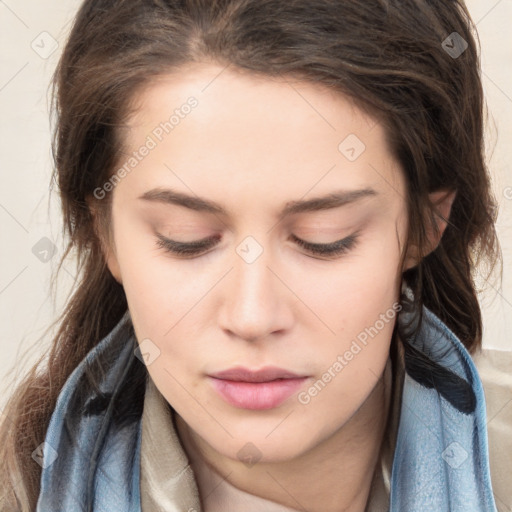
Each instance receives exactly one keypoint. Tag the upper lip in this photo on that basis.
(266, 374)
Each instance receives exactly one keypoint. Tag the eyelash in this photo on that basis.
(195, 248)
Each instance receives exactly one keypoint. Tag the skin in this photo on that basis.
(252, 144)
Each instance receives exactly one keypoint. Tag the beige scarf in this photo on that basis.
(168, 483)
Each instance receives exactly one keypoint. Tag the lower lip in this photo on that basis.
(257, 395)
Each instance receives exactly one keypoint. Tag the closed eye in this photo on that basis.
(332, 249)
(197, 247)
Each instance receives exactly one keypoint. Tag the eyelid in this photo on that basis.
(198, 247)
(331, 249)
(190, 248)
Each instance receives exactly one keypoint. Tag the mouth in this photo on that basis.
(262, 389)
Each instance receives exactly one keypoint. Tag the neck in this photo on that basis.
(334, 476)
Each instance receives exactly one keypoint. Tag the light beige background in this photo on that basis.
(27, 215)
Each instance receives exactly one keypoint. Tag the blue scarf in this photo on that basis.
(91, 454)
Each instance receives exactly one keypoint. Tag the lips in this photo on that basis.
(266, 374)
(266, 388)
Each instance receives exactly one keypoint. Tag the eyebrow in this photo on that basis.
(327, 202)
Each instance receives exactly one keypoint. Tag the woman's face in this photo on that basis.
(248, 165)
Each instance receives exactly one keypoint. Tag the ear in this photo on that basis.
(442, 201)
(105, 243)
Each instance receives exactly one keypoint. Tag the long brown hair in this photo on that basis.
(389, 56)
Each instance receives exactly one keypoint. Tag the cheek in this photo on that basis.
(164, 298)
(362, 311)
(358, 302)
(159, 289)
(352, 293)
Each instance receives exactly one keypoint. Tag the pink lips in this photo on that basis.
(261, 389)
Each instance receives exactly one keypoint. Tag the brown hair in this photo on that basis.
(387, 55)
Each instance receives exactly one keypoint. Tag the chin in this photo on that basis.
(257, 447)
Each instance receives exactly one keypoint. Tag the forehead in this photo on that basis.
(226, 91)
(255, 131)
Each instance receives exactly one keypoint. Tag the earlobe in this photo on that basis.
(113, 265)
(103, 238)
(442, 201)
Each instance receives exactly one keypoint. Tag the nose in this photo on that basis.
(256, 302)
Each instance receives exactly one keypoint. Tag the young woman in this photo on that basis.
(278, 209)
